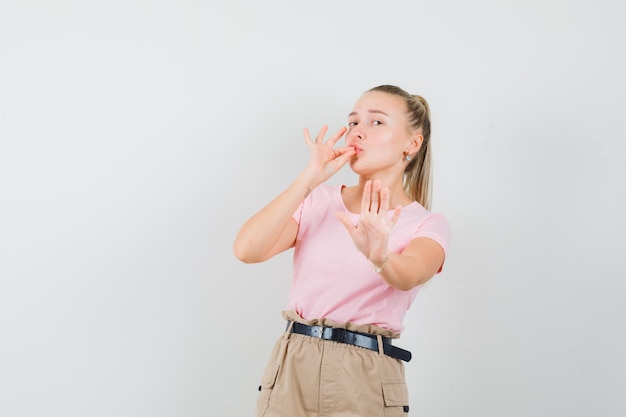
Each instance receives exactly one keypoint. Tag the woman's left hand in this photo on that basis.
(371, 233)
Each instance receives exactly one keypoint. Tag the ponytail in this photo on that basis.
(417, 174)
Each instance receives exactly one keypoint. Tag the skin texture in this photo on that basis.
(378, 138)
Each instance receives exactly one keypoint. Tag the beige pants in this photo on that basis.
(310, 377)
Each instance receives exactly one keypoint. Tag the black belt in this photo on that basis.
(364, 340)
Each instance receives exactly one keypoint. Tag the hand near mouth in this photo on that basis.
(325, 160)
(357, 148)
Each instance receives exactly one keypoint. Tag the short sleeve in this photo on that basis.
(437, 228)
(297, 215)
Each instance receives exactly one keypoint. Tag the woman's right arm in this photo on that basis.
(273, 229)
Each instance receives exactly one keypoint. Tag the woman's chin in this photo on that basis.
(357, 166)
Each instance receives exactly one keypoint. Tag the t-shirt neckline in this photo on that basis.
(356, 215)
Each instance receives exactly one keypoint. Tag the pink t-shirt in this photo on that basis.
(332, 279)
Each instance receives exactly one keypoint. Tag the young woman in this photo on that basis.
(361, 255)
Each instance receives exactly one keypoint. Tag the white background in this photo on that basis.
(136, 138)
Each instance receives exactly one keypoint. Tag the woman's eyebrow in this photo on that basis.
(370, 111)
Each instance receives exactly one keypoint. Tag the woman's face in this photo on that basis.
(378, 131)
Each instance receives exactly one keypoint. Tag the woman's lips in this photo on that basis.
(357, 149)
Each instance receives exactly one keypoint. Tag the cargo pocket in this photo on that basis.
(396, 396)
(265, 389)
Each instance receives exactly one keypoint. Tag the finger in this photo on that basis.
(384, 201)
(375, 196)
(365, 201)
(344, 149)
(345, 155)
(307, 137)
(335, 138)
(320, 136)
(342, 157)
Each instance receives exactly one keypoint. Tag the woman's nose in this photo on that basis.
(355, 134)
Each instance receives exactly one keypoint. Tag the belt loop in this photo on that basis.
(380, 344)
(288, 331)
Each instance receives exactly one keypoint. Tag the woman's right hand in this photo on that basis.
(325, 160)
(273, 229)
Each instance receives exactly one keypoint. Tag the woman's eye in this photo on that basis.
(351, 124)
(377, 122)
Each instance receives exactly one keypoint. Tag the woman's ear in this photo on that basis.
(415, 144)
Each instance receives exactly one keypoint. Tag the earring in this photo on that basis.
(407, 156)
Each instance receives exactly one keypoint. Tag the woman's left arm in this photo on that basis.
(419, 262)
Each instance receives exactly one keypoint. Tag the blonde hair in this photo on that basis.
(417, 174)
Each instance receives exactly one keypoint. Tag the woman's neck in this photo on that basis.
(353, 195)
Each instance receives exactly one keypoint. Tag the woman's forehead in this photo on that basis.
(378, 101)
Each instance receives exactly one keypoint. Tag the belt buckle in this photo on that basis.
(320, 334)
